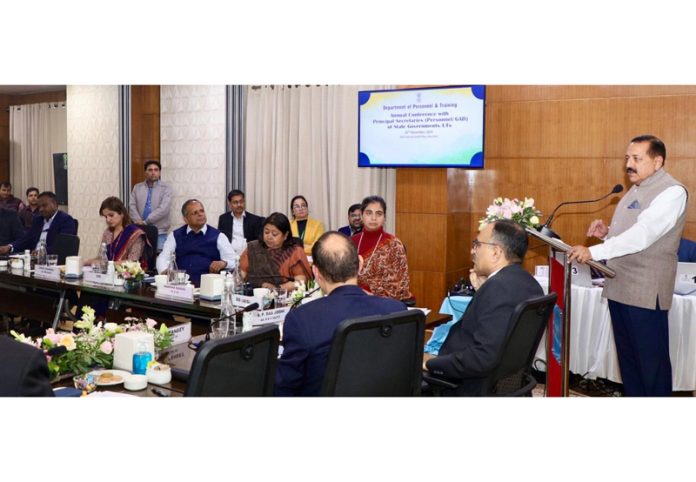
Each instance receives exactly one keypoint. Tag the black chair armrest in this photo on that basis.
(437, 382)
(526, 390)
(180, 374)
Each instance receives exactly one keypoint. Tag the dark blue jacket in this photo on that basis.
(62, 223)
(308, 332)
(195, 251)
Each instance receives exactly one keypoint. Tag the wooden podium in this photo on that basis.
(558, 328)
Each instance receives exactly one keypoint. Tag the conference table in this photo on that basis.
(23, 294)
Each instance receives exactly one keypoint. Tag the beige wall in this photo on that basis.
(193, 147)
(93, 166)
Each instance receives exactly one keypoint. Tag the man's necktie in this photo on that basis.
(148, 204)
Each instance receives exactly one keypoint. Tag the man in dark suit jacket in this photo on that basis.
(23, 370)
(473, 344)
(308, 331)
(52, 221)
(355, 224)
(11, 226)
(239, 225)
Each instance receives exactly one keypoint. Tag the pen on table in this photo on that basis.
(158, 392)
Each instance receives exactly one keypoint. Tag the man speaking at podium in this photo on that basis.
(641, 245)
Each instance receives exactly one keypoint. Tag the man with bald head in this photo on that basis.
(308, 331)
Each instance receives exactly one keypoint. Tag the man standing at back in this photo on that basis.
(151, 200)
(239, 225)
(308, 330)
(354, 221)
(44, 228)
(641, 246)
(474, 343)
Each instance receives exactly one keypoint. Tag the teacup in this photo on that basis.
(181, 278)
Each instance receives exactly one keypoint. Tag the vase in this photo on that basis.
(132, 285)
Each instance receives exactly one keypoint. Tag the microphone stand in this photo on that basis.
(545, 228)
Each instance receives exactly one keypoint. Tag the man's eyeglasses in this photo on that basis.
(476, 243)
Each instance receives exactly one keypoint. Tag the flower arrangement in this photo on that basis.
(302, 290)
(522, 212)
(130, 270)
(93, 344)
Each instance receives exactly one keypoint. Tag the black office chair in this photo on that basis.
(376, 356)
(239, 366)
(151, 232)
(511, 376)
(66, 245)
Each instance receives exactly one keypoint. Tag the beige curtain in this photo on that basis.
(304, 140)
(36, 132)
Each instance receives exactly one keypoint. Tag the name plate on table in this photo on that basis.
(98, 278)
(47, 272)
(181, 333)
(242, 300)
(176, 292)
(267, 317)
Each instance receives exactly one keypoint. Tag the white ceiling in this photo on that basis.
(28, 89)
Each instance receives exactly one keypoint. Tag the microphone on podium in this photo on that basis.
(545, 228)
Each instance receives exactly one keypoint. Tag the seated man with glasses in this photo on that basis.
(474, 342)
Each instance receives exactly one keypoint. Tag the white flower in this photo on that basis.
(110, 327)
(528, 202)
(534, 220)
(68, 342)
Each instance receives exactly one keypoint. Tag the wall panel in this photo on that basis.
(553, 143)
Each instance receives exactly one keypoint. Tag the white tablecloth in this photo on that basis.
(592, 348)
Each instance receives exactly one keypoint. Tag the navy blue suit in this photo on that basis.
(474, 342)
(23, 370)
(62, 223)
(308, 332)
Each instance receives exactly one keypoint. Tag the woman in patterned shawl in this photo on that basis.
(385, 268)
(124, 240)
(276, 259)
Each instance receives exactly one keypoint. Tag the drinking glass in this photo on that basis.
(220, 329)
(181, 277)
(281, 297)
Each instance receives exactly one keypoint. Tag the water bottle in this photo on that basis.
(172, 269)
(103, 259)
(238, 281)
(227, 305)
(41, 254)
(111, 271)
(27, 260)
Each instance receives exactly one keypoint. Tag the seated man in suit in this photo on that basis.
(308, 330)
(23, 370)
(10, 226)
(474, 342)
(354, 221)
(239, 225)
(44, 228)
(199, 248)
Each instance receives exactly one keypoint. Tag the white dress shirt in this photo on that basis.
(653, 223)
(223, 245)
(238, 240)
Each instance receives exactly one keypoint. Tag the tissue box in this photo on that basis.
(211, 286)
(73, 266)
(125, 344)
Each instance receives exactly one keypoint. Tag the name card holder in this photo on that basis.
(176, 292)
(266, 317)
(104, 279)
(181, 333)
(47, 272)
(241, 301)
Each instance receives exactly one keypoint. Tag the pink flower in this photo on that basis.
(106, 347)
(150, 323)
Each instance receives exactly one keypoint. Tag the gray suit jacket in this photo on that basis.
(161, 203)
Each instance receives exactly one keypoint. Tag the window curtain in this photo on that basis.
(304, 140)
(36, 132)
